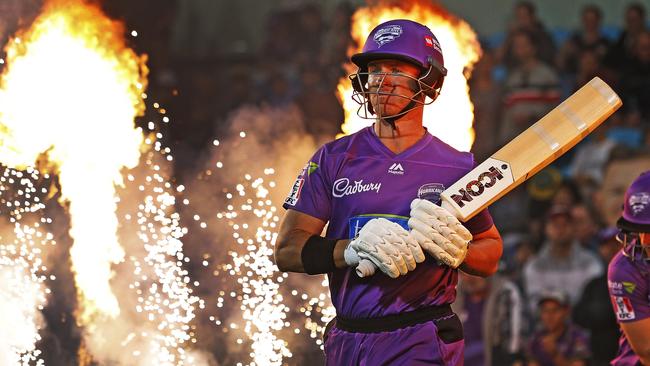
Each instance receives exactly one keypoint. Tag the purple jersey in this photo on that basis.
(629, 292)
(356, 178)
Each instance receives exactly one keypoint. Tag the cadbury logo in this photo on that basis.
(342, 187)
(476, 187)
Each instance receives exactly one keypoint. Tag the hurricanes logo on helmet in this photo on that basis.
(639, 202)
(387, 34)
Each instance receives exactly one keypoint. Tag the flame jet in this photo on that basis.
(70, 91)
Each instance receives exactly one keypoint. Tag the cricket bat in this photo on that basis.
(524, 156)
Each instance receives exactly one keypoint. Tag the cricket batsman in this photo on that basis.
(629, 276)
(377, 191)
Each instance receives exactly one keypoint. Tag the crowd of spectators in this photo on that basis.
(548, 304)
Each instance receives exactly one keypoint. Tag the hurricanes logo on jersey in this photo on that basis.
(431, 192)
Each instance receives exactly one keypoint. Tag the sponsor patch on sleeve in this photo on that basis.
(615, 288)
(623, 308)
(294, 195)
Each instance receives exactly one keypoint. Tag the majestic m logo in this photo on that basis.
(396, 168)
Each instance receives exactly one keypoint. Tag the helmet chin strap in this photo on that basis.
(392, 120)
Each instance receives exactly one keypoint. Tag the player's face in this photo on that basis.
(618, 176)
(392, 84)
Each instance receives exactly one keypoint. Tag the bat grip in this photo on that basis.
(365, 268)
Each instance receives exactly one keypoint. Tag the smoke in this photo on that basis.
(257, 313)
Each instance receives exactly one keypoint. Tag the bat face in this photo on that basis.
(532, 150)
(491, 175)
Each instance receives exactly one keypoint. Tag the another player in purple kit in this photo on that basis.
(629, 276)
(376, 190)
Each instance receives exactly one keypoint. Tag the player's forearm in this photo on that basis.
(482, 257)
(645, 360)
(636, 333)
(288, 251)
(288, 248)
(644, 355)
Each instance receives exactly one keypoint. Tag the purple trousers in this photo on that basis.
(435, 342)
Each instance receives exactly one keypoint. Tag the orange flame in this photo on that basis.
(71, 90)
(450, 117)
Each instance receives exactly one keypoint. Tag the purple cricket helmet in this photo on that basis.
(636, 219)
(403, 40)
(636, 208)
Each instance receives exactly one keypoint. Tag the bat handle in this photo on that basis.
(365, 268)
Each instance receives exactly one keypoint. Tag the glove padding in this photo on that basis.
(387, 245)
(439, 232)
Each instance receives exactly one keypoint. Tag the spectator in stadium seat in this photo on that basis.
(525, 19)
(588, 38)
(622, 51)
(635, 79)
(561, 263)
(531, 89)
(558, 342)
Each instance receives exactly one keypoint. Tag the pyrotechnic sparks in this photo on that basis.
(277, 312)
(160, 283)
(22, 272)
(450, 117)
(262, 305)
(266, 306)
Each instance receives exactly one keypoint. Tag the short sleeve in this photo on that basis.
(628, 290)
(311, 193)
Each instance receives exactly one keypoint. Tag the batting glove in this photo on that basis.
(387, 245)
(439, 233)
